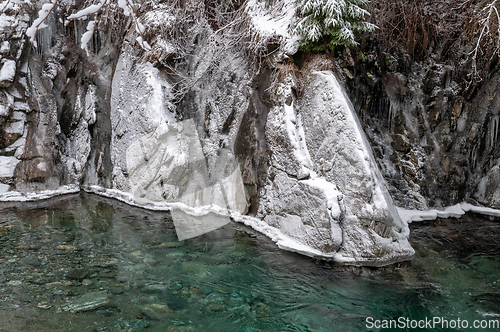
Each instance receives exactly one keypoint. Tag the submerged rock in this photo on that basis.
(87, 302)
(32, 260)
(129, 326)
(157, 311)
(44, 305)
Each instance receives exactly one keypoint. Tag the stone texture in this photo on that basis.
(14, 129)
(299, 211)
(434, 131)
(337, 201)
(488, 190)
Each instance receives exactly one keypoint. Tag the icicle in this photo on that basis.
(473, 157)
(75, 24)
(394, 107)
(493, 130)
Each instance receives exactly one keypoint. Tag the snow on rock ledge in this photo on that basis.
(455, 211)
(325, 194)
(7, 167)
(7, 73)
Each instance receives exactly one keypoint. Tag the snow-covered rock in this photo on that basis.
(6, 21)
(324, 189)
(160, 161)
(4, 188)
(4, 47)
(488, 190)
(4, 110)
(7, 167)
(15, 129)
(7, 73)
(139, 105)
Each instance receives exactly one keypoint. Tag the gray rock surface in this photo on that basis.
(336, 202)
(433, 126)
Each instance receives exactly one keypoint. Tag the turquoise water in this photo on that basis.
(84, 263)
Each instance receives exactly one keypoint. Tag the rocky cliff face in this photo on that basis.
(176, 126)
(433, 128)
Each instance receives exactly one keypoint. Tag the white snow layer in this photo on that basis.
(126, 5)
(87, 36)
(8, 71)
(4, 47)
(16, 196)
(295, 128)
(275, 21)
(455, 211)
(82, 14)
(7, 166)
(6, 21)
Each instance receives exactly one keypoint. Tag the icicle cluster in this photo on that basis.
(39, 22)
(332, 22)
(91, 10)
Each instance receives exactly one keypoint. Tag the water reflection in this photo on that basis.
(87, 263)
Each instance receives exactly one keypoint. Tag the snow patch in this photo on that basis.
(16, 196)
(157, 105)
(4, 110)
(4, 188)
(332, 194)
(87, 36)
(275, 21)
(480, 209)
(126, 5)
(144, 44)
(455, 211)
(4, 47)
(6, 21)
(8, 71)
(294, 127)
(7, 166)
(82, 14)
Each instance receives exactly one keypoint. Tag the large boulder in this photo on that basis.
(324, 189)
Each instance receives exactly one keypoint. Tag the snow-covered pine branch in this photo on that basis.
(332, 22)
